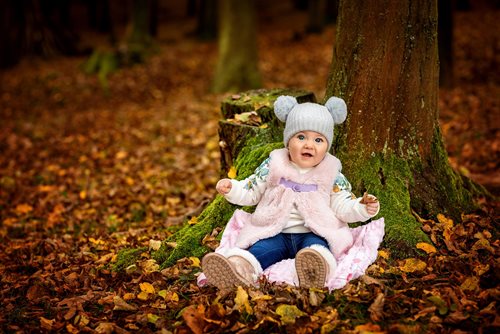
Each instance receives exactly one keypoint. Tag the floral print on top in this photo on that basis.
(260, 175)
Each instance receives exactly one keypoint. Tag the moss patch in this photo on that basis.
(189, 238)
(127, 257)
(389, 178)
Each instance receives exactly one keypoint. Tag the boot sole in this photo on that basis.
(311, 268)
(220, 272)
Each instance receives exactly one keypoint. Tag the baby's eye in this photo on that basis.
(301, 137)
(319, 140)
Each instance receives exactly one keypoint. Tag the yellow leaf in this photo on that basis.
(83, 194)
(232, 172)
(162, 293)
(445, 222)
(428, 248)
(264, 126)
(128, 296)
(470, 284)
(143, 295)
(154, 244)
(241, 300)
(24, 208)
(149, 266)
(129, 181)
(147, 287)
(383, 254)
(195, 261)
(152, 318)
(480, 269)
(46, 189)
(121, 155)
(412, 265)
(171, 297)
(289, 313)
(193, 220)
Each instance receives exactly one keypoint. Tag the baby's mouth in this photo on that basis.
(307, 155)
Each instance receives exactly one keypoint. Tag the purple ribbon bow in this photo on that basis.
(298, 187)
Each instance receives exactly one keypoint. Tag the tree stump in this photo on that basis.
(251, 114)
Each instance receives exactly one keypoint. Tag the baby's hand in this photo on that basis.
(224, 186)
(371, 203)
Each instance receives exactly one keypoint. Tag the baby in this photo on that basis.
(303, 203)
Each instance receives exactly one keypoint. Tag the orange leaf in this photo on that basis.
(23, 209)
(428, 248)
(412, 265)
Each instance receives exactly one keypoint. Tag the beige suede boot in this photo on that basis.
(228, 272)
(312, 268)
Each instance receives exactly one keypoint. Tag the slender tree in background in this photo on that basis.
(385, 65)
(206, 28)
(445, 42)
(237, 67)
(35, 27)
(316, 16)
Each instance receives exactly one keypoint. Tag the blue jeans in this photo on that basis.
(283, 246)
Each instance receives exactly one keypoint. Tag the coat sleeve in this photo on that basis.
(250, 190)
(343, 203)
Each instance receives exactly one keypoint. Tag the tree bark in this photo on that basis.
(385, 66)
(237, 67)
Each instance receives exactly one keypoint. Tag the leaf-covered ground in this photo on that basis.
(83, 175)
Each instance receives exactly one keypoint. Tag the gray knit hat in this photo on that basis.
(309, 116)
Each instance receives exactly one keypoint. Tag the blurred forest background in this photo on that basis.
(108, 139)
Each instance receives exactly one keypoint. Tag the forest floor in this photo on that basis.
(84, 174)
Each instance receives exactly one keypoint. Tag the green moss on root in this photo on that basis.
(389, 178)
(127, 257)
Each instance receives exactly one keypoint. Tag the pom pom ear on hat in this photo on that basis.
(337, 107)
(283, 105)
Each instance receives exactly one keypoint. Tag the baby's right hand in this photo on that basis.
(224, 186)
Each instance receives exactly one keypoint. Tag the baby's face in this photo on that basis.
(307, 148)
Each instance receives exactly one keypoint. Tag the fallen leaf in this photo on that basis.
(470, 284)
(289, 313)
(194, 317)
(23, 209)
(241, 300)
(412, 265)
(232, 172)
(121, 305)
(428, 248)
(195, 261)
(152, 318)
(154, 244)
(47, 323)
(376, 309)
(441, 305)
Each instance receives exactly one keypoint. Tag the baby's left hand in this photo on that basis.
(371, 203)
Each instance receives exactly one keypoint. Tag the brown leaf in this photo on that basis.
(121, 305)
(376, 309)
(194, 316)
(367, 198)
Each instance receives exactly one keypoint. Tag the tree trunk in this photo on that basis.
(237, 67)
(385, 66)
(207, 20)
(316, 16)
